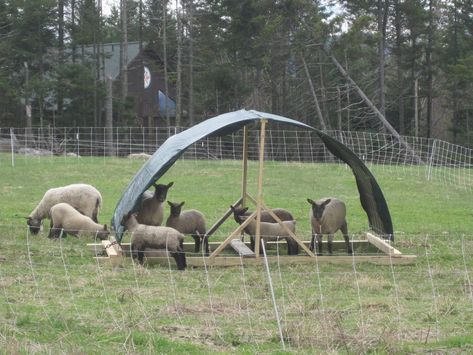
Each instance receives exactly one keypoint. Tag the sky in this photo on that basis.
(107, 4)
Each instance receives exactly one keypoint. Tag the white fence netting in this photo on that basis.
(431, 158)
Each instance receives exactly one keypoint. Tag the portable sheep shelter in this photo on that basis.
(371, 196)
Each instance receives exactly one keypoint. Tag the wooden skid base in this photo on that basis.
(375, 250)
(225, 261)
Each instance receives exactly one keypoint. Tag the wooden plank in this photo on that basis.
(242, 249)
(244, 187)
(363, 244)
(229, 261)
(232, 261)
(260, 187)
(382, 244)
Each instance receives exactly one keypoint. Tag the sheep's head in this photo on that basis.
(126, 218)
(161, 191)
(318, 210)
(103, 234)
(34, 224)
(175, 208)
(238, 212)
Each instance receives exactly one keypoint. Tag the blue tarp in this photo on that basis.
(372, 199)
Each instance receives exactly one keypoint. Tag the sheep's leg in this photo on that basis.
(312, 242)
(344, 230)
(252, 243)
(196, 242)
(52, 230)
(206, 245)
(330, 244)
(180, 259)
(319, 244)
(292, 246)
(141, 256)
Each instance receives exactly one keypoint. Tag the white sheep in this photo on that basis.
(151, 211)
(188, 222)
(268, 231)
(67, 219)
(327, 216)
(84, 198)
(154, 237)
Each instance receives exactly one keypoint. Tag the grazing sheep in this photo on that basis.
(188, 222)
(67, 218)
(84, 198)
(281, 213)
(151, 210)
(268, 230)
(327, 216)
(154, 237)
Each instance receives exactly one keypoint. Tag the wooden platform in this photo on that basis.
(372, 250)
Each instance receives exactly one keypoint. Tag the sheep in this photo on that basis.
(268, 230)
(151, 211)
(154, 237)
(281, 213)
(188, 222)
(327, 216)
(66, 218)
(84, 198)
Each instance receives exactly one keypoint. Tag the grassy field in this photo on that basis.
(54, 296)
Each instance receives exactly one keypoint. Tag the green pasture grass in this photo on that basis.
(55, 297)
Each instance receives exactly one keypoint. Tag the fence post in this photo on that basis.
(431, 161)
(12, 145)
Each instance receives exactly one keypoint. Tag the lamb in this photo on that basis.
(151, 211)
(269, 231)
(327, 216)
(154, 237)
(84, 198)
(281, 213)
(66, 218)
(188, 222)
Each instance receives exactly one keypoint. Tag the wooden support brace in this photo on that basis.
(232, 236)
(382, 245)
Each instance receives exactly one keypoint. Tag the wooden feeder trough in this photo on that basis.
(233, 252)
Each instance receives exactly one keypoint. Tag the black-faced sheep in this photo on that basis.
(268, 231)
(154, 237)
(84, 198)
(67, 219)
(188, 222)
(151, 210)
(327, 216)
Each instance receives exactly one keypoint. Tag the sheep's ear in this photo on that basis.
(310, 201)
(182, 203)
(169, 203)
(232, 208)
(170, 184)
(105, 227)
(326, 202)
(243, 210)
